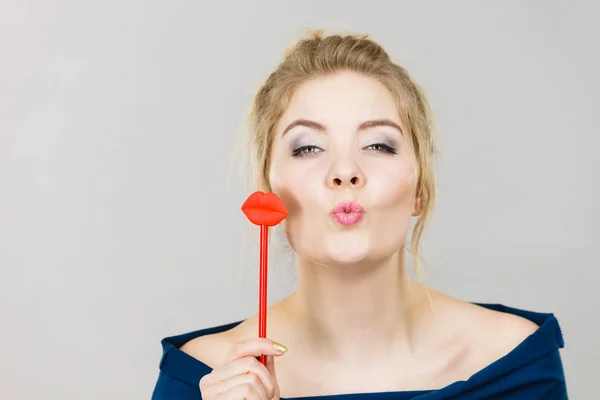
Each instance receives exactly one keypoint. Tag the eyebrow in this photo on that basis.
(364, 125)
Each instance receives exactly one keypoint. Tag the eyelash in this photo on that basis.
(384, 148)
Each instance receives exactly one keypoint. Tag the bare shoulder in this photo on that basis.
(505, 327)
(482, 319)
(499, 333)
(209, 349)
(479, 336)
(212, 349)
(484, 334)
(513, 326)
(509, 330)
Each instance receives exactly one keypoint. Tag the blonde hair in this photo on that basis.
(319, 55)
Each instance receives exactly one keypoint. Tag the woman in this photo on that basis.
(343, 136)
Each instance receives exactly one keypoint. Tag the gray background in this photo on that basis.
(117, 123)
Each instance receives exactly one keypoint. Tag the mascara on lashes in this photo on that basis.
(388, 144)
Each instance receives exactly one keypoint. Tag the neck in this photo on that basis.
(355, 311)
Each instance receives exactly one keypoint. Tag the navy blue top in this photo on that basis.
(533, 370)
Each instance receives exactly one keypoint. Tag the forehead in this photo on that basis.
(343, 99)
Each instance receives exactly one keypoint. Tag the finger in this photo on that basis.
(240, 380)
(244, 366)
(255, 347)
(241, 392)
(270, 365)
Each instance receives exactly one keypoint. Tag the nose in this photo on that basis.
(346, 174)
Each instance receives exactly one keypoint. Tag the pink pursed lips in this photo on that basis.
(348, 213)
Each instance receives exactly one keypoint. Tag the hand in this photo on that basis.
(242, 376)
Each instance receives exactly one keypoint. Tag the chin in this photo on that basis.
(345, 257)
(347, 250)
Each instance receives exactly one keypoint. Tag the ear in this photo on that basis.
(417, 206)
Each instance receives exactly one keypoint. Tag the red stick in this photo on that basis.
(264, 209)
(262, 296)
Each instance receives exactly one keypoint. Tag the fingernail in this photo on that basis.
(279, 347)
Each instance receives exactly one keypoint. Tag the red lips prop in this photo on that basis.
(264, 209)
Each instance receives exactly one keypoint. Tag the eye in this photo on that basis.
(382, 148)
(305, 151)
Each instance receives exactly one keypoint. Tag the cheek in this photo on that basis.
(291, 186)
(395, 188)
(298, 224)
(297, 182)
(393, 195)
(304, 195)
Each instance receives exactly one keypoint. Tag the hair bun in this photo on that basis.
(309, 35)
(316, 34)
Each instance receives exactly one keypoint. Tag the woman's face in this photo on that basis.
(340, 140)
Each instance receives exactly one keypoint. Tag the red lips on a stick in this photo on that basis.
(264, 209)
